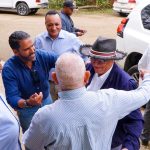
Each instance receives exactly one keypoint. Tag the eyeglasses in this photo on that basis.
(98, 60)
(35, 77)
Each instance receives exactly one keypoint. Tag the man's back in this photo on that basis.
(77, 121)
(81, 120)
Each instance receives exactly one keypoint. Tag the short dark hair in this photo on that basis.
(52, 12)
(15, 37)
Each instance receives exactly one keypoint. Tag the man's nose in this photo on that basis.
(54, 27)
(32, 49)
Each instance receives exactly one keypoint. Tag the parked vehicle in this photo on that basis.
(124, 7)
(133, 36)
(23, 7)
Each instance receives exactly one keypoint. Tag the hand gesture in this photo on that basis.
(35, 99)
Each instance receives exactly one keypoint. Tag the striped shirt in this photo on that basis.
(77, 121)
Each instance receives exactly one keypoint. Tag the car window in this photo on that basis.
(145, 16)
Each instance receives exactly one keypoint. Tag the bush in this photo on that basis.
(57, 4)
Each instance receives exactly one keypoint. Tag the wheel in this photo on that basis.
(33, 11)
(23, 9)
(133, 71)
(123, 14)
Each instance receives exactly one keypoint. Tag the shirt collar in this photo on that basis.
(72, 94)
(60, 36)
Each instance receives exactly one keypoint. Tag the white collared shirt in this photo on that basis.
(98, 81)
(83, 120)
(9, 128)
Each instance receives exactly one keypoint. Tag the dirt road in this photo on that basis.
(99, 24)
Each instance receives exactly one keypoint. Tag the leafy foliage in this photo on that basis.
(56, 4)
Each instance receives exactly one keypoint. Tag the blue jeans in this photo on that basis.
(25, 115)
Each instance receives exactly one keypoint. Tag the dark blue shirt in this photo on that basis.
(67, 23)
(128, 129)
(20, 82)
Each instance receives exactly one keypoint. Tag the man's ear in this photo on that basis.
(86, 77)
(54, 77)
(15, 52)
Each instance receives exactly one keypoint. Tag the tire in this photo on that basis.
(123, 14)
(23, 9)
(33, 11)
(133, 71)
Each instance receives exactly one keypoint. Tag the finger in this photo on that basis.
(34, 95)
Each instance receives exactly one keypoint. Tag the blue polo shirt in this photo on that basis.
(20, 82)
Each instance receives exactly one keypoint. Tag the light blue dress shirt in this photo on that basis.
(77, 121)
(65, 42)
(9, 128)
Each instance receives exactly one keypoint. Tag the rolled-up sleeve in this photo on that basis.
(120, 103)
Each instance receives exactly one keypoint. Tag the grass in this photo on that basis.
(95, 11)
(90, 11)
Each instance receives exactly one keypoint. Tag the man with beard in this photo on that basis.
(25, 77)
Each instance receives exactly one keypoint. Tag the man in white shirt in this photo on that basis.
(9, 128)
(145, 63)
(81, 119)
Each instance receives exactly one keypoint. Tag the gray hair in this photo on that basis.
(70, 70)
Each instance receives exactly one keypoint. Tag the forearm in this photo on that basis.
(131, 143)
(133, 127)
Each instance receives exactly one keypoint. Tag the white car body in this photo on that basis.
(134, 38)
(124, 6)
(31, 4)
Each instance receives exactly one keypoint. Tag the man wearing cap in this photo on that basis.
(25, 77)
(105, 73)
(67, 22)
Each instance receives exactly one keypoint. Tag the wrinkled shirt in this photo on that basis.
(83, 120)
(65, 42)
(67, 23)
(9, 128)
(18, 81)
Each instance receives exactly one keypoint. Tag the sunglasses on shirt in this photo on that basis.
(35, 76)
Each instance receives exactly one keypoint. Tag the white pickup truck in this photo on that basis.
(23, 7)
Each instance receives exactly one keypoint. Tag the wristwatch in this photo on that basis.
(26, 105)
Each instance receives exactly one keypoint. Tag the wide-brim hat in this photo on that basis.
(103, 48)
